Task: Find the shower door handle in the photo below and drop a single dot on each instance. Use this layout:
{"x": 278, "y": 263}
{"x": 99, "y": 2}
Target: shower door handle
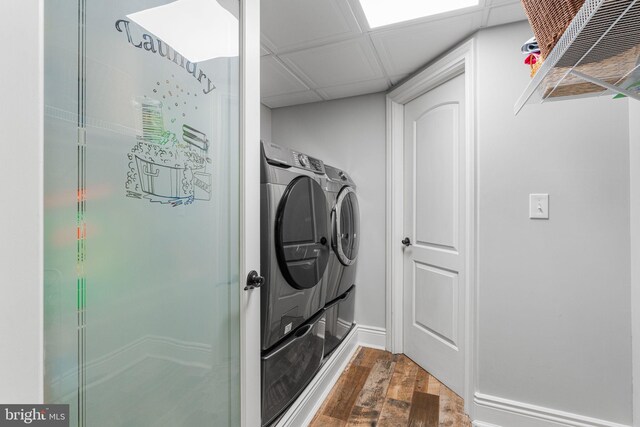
{"x": 254, "y": 280}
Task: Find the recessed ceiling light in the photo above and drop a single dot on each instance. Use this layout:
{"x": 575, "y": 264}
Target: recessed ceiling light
{"x": 385, "y": 12}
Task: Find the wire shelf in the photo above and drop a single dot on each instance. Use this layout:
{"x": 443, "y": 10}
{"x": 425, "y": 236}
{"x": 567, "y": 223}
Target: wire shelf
{"x": 597, "y": 55}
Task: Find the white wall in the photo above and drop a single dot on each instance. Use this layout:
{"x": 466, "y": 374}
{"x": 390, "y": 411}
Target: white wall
{"x": 349, "y": 134}
{"x": 21, "y": 217}
{"x": 265, "y": 123}
{"x": 634, "y": 138}
{"x": 554, "y": 312}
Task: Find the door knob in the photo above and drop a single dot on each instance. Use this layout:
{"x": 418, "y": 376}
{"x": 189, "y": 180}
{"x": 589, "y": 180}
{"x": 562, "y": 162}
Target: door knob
{"x": 254, "y": 280}
{"x": 406, "y": 241}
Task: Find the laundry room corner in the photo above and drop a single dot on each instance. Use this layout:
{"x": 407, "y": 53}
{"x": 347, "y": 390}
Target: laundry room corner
{"x": 303, "y": 213}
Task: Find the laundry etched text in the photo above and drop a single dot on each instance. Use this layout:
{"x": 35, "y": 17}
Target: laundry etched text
{"x": 155, "y": 45}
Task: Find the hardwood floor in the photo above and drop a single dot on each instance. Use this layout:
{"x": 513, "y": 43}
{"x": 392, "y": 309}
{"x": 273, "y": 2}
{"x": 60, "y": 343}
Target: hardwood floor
{"x": 382, "y": 389}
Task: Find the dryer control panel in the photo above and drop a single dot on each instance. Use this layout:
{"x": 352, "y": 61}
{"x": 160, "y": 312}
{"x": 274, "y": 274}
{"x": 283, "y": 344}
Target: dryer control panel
{"x": 285, "y": 157}
{"x": 338, "y": 176}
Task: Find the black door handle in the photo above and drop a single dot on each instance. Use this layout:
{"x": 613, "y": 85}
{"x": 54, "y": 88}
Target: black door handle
{"x": 254, "y": 280}
{"x": 406, "y": 241}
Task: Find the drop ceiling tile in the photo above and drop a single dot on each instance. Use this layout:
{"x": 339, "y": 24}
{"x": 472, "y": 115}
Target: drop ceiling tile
{"x": 294, "y": 24}
{"x": 285, "y": 100}
{"x": 407, "y": 49}
{"x": 349, "y": 61}
{"x": 276, "y": 79}
{"x": 504, "y": 14}
{"x": 354, "y": 89}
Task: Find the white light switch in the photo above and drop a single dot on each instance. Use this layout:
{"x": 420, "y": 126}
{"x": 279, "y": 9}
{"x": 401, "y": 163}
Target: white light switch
{"x": 539, "y": 206}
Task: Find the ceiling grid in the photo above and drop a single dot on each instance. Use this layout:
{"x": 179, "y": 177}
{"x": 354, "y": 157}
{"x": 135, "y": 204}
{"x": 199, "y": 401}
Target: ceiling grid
{"x": 316, "y": 50}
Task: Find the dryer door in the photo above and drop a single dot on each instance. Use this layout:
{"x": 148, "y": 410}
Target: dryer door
{"x": 346, "y": 228}
{"x": 302, "y": 230}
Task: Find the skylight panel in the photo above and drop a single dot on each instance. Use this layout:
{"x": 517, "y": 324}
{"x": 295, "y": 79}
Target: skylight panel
{"x": 386, "y": 12}
{"x": 198, "y": 29}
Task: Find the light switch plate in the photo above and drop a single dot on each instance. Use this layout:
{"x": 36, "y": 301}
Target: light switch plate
{"x": 539, "y": 206}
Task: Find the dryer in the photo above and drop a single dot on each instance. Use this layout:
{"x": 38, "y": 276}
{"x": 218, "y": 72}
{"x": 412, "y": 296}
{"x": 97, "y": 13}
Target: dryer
{"x": 340, "y": 279}
{"x": 295, "y": 249}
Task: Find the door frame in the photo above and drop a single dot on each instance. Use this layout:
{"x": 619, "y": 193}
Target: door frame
{"x": 458, "y": 61}
{"x": 250, "y": 404}
{"x": 21, "y": 225}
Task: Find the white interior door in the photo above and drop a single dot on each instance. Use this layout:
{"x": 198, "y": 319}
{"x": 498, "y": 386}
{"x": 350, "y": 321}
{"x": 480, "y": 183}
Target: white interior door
{"x": 434, "y": 221}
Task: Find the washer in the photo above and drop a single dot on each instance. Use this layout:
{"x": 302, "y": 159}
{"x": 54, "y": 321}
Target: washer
{"x": 295, "y": 240}
{"x": 341, "y": 277}
{"x": 295, "y": 250}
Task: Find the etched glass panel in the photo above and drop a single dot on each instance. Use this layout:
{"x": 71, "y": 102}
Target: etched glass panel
{"x": 141, "y": 211}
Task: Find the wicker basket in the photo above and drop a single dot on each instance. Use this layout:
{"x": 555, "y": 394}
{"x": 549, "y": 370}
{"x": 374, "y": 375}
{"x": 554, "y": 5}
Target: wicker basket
{"x": 549, "y": 20}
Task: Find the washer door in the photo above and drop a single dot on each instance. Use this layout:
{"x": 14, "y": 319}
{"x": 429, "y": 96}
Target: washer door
{"x": 302, "y": 228}
{"x": 346, "y": 227}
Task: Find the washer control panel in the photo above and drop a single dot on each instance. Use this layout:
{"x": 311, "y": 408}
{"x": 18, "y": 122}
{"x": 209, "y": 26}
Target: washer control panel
{"x": 285, "y": 157}
{"x": 306, "y": 162}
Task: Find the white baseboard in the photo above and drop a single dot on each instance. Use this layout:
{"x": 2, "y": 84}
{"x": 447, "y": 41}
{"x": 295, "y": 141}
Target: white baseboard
{"x": 372, "y": 336}
{"x": 497, "y": 411}
{"x": 303, "y": 410}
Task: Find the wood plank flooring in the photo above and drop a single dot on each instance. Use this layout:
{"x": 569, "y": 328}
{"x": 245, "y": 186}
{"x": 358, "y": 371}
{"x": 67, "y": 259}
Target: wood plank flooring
{"x": 385, "y": 390}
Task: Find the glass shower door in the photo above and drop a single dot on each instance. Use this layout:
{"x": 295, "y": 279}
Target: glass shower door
{"x": 142, "y": 211}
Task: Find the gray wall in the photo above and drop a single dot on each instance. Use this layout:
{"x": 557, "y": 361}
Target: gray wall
{"x": 265, "y": 123}
{"x": 634, "y": 138}
{"x": 554, "y": 325}
{"x": 21, "y": 304}
{"x": 350, "y": 134}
